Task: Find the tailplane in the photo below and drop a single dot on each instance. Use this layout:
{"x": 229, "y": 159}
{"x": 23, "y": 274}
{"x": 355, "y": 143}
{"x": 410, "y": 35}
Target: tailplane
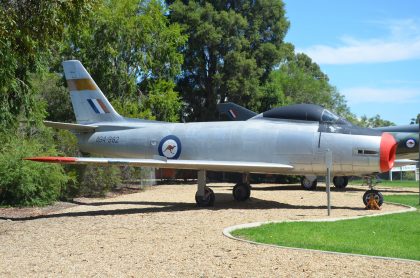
{"x": 89, "y": 103}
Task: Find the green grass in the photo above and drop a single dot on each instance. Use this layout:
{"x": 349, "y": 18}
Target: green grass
{"x": 414, "y": 184}
{"x": 395, "y": 235}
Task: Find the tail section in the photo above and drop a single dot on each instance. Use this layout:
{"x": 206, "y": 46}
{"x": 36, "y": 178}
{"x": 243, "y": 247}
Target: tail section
{"x": 89, "y": 103}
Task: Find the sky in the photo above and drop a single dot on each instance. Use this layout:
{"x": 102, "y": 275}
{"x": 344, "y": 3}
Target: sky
{"x": 370, "y": 50}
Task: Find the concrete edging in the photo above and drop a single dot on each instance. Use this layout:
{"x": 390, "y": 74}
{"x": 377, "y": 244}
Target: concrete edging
{"x": 227, "y": 232}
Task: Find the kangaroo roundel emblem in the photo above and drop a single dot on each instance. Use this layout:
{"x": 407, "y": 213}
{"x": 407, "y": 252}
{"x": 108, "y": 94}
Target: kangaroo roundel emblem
{"x": 170, "y": 147}
{"x": 410, "y": 143}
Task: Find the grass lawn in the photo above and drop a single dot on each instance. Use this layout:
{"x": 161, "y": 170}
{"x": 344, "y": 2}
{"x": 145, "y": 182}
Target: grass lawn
{"x": 395, "y": 235}
{"x": 394, "y": 183}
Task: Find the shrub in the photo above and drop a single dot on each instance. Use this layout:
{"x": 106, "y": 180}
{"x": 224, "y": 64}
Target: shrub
{"x": 97, "y": 181}
{"x": 26, "y": 183}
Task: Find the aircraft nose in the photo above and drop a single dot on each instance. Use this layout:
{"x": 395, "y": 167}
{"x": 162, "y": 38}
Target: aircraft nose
{"x": 387, "y": 152}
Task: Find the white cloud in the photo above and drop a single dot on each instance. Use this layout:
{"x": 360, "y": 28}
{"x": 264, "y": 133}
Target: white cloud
{"x": 402, "y": 43}
{"x": 378, "y": 95}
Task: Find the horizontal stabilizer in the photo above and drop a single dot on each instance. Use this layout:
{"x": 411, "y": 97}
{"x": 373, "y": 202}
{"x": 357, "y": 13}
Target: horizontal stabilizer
{"x": 73, "y": 127}
{"x": 226, "y": 166}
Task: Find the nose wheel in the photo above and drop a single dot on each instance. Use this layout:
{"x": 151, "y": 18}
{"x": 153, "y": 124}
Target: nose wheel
{"x": 372, "y": 195}
{"x": 375, "y": 195}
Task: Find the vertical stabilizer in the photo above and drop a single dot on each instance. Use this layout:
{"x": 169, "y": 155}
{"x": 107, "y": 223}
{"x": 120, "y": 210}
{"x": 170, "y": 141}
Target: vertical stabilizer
{"x": 89, "y": 103}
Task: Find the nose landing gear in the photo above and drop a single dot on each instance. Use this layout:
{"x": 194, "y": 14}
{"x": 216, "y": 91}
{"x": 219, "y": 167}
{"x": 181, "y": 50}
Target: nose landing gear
{"x": 372, "y": 198}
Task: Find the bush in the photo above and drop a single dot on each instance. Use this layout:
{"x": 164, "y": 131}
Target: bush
{"x": 97, "y": 181}
{"x": 26, "y": 183}
{"x": 87, "y": 181}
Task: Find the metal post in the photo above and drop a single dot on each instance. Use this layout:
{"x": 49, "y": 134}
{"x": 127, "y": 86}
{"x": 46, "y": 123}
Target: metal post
{"x": 328, "y": 162}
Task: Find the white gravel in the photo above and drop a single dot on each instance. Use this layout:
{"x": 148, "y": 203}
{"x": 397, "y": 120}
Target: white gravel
{"x": 161, "y": 233}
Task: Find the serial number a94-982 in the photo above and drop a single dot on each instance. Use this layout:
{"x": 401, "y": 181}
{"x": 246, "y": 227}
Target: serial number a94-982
{"x": 108, "y": 139}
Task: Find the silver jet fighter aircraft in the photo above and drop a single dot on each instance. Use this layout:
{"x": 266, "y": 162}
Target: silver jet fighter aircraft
{"x": 270, "y": 142}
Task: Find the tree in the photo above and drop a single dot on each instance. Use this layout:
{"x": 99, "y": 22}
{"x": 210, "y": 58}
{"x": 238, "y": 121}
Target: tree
{"x": 375, "y": 121}
{"x": 28, "y": 32}
{"x": 129, "y": 47}
{"x": 232, "y": 48}
{"x": 415, "y": 120}
{"x": 300, "y": 80}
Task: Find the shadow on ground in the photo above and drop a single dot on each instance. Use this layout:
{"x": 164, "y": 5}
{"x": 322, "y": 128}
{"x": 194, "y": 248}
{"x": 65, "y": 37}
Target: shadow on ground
{"x": 223, "y": 201}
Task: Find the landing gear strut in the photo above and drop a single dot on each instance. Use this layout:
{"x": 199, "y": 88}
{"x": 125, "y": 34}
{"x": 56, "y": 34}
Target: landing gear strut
{"x": 372, "y": 193}
{"x": 204, "y": 197}
{"x": 242, "y": 190}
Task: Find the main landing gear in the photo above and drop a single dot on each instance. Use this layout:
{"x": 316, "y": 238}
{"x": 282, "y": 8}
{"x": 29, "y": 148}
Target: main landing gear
{"x": 310, "y": 182}
{"x": 340, "y": 181}
{"x": 242, "y": 190}
{"x": 204, "y": 197}
{"x": 372, "y": 198}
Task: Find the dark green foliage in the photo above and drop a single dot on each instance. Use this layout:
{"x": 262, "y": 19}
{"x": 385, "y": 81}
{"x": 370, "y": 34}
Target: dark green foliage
{"x": 24, "y": 183}
{"x": 96, "y": 181}
{"x": 232, "y": 47}
{"x": 28, "y": 32}
{"x": 131, "y": 49}
{"x": 55, "y": 96}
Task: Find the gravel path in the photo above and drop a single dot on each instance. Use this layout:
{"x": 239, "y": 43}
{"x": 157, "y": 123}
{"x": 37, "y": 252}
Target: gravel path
{"x": 160, "y": 233}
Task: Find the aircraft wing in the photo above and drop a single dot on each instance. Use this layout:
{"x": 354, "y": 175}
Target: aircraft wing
{"x": 400, "y": 128}
{"x": 161, "y": 162}
{"x": 72, "y": 127}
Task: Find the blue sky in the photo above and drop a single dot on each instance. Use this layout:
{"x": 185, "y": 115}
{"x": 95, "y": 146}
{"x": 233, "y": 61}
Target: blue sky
{"x": 369, "y": 49}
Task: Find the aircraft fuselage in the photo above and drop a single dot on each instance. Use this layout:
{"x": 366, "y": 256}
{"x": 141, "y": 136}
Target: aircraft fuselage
{"x": 301, "y": 144}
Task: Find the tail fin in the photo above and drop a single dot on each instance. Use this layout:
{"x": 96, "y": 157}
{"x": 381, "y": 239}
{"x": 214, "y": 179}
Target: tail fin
{"x": 235, "y": 112}
{"x": 89, "y": 103}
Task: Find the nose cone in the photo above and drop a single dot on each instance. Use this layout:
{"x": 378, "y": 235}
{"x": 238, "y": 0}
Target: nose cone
{"x": 387, "y": 152}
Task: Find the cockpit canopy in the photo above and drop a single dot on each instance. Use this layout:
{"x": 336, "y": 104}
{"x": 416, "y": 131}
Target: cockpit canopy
{"x": 305, "y": 112}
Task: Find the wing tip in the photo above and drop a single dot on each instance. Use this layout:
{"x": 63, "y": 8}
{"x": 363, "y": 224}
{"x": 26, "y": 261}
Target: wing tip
{"x": 51, "y": 159}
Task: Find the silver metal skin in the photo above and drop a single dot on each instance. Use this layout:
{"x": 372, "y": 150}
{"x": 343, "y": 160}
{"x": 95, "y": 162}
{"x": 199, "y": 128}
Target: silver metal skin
{"x": 259, "y": 140}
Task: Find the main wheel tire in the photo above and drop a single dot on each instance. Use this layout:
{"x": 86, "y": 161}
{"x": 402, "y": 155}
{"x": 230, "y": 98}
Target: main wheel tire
{"x": 207, "y": 200}
{"x": 241, "y": 192}
{"x": 376, "y": 194}
{"x": 340, "y": 181}
{"x": 307, "y": 184}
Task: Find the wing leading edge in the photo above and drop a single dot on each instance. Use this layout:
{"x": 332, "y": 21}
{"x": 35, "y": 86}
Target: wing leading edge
{"x": 161, "y": 162}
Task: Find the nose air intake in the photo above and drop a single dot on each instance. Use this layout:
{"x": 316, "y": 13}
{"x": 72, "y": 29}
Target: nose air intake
{"x": 387, "y": 152}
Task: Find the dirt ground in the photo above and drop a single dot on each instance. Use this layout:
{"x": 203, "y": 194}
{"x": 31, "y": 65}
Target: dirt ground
{"x": 161, "y": 233}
